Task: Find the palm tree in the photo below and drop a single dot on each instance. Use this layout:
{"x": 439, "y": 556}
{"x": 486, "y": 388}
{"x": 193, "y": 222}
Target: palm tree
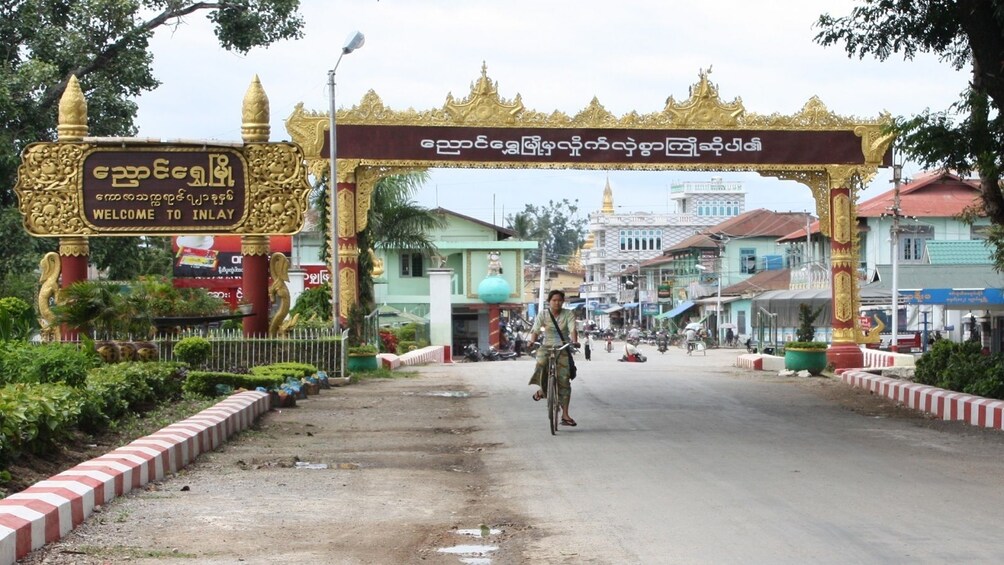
{"x": 395, "y": 222}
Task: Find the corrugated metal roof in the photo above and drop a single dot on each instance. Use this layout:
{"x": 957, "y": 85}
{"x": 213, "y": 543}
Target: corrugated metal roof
{"x": 962, "y": 252}
{"x": 938, "y": 276}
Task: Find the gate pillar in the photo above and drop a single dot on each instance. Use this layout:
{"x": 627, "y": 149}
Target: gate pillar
{"x": 844, "y": 352}
{"x": 74, "y": 253}
{"x": 254, "y": 283}
{"x": 345, "y": 252}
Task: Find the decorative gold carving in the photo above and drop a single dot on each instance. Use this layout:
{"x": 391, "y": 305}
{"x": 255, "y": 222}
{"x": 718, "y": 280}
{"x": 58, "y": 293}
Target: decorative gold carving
{"x": 50, "y": 196}
{"x": 72, "y": 113}
{"x": 347, "y": 290}
{"x": 377, "y": 270}
{"x": 254, "y": 245}
{"x": 845, "y": 335}
{"x": 872, "y": 335}
{"x": 483, "y": 105}
{"x": 842, "y": 219}
{"x": 74, "y": 247}
{"x": 819, "y": 184}
{"x": 366, "y": 181}
{"x": 48, "y": 295}
{"x": 346, "y": 169}
{"x": 278, "y": 293}
{"x": 255, "y": 114}
{"x": 705, "y": 108}
{"x": 875, "y": 140}
{"x": 278, "y": 189}
{"x": 346, "y": 213}
{"x": 843, "y": 290}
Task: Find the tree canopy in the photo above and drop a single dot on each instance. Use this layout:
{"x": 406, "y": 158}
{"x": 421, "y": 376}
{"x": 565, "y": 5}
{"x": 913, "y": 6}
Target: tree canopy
{"x": 967, "y": 137}
{"x": 105, "y": 44}
{"x": 557, "y": 226}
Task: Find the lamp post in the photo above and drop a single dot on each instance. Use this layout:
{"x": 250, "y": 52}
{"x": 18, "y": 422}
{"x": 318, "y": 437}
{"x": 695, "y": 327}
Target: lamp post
{"x": 896, "y": 212}
{"x": 355, "y": 41}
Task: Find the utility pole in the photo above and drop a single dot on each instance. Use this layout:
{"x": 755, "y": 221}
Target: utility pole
{"x": 896, "y": 212}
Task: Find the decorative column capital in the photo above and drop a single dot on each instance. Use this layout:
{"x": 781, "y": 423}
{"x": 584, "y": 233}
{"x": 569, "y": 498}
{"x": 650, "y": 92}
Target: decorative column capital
{"x": 254, "y": 245}
{"x": 74, "y": 247}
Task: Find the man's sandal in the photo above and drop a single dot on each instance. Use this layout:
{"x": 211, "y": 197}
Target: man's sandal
{"x": 568, "y": 422}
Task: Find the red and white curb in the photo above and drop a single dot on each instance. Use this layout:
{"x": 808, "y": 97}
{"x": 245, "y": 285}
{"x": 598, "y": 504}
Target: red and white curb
{"x": 945, "y": 404}
{"x": 48, "y": 510}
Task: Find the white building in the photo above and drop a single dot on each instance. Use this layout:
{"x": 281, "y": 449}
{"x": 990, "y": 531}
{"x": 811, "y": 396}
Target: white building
{"x": 618, "y": 243}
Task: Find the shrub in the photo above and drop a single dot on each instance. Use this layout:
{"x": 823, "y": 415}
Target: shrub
{"x": 45, "y": 363}
{"x": 388, "y": 341}
{"x": 17, "y": 319}
{"x": 111, "y": 391}
{"x": 193, "y": 350}
{"x": 36, "y": 416}
{"x": 962, "y": 367}
{"x": 204, "y": 383}
{"x": 314, "y": 304}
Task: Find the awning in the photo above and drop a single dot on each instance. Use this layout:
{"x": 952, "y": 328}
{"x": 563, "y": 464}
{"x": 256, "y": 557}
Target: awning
{"x": 614, "y": 308}
{"x": 714, "y": 300}
{"x": 683, "y": 307}
{"x": 573, "y": 305}
{"x": 630, "y": 305}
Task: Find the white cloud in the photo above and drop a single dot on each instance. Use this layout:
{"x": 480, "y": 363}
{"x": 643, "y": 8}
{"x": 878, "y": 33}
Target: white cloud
{"x": 558, "y": 55}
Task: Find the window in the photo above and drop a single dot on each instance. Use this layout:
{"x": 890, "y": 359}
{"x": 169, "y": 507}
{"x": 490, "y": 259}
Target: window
{"x": 412, "y": 265}
{"x": 747, "y": 260}
{"x": 741, "y": 322}
{"x": 640, "y": 240}
{"x": 913, "y": 241}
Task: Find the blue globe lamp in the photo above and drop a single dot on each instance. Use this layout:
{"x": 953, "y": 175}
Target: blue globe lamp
{"x": 494, "y": 289}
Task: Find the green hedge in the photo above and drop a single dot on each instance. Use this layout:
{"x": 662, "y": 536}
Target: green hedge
{"x": 33, "y": 417}
{"x": 22, "y": 362}
{"x": 962, "y": 367}
{"x": 111, "y": 391}
{"x": 205, "y": 383}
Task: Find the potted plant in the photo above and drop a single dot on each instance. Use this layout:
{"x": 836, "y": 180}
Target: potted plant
{"x": 362, "y": 357}
{"x": 804, "y": 353}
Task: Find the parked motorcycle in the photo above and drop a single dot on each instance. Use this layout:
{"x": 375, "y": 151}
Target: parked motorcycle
{"x": 471, "y": 353}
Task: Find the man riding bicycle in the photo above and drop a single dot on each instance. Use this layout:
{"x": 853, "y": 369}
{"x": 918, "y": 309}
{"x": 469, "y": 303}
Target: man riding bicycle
{"x": 551, "y": 325}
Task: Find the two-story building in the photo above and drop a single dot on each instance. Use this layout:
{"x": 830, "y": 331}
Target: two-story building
{"x": 486, "y": 277}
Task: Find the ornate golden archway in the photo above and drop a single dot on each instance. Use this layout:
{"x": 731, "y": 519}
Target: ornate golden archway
{"x": 832, "y": 155}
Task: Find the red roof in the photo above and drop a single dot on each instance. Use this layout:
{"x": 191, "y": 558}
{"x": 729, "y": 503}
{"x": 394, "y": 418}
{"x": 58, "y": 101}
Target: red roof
{"x": 754, "y": 223}
{"x": 930, "y": 194}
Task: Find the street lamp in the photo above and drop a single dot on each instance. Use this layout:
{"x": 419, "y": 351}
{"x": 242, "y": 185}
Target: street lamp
{"x": 355, "y": 41}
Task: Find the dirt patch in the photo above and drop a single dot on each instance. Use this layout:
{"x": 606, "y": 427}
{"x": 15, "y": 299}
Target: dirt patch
{"x": 384, "y": 471}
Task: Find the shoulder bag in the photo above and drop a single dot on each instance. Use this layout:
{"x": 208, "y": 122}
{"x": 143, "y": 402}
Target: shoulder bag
{"x": 572, "y": 369}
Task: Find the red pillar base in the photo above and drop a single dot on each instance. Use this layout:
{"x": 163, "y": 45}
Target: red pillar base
{"x": 845, "y": 356}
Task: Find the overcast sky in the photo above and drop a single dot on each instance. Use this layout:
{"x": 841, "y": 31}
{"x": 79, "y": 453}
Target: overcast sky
{"x": 632, "y": 55}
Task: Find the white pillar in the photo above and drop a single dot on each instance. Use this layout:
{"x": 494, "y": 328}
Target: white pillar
{"x": 440, "y": 307}
{"x": 296, "y": 280}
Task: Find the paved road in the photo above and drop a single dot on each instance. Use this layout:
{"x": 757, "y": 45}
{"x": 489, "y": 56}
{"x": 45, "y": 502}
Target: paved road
{"x": 688, "y": 460}
{"x": 681, "y": 460}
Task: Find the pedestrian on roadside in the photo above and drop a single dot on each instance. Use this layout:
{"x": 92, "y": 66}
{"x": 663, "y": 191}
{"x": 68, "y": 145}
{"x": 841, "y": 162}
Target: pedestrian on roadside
{"x": 588, "y": 347}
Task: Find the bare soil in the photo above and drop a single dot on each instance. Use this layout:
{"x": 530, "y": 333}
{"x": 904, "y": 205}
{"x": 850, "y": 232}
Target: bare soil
{"x": 401, "y": 476}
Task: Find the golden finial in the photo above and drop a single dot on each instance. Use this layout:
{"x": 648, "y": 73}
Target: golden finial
{"x": 608, "y": 199}
{"x": 72, "y": 112}
{"x": 255, "y": 114}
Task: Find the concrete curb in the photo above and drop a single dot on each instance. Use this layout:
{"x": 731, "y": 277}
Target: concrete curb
{"x": 947, "y": 405}
{"x": 48, "y": 510}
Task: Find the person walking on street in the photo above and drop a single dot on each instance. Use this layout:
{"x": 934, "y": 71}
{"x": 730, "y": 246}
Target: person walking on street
{"x": 587, "y": 347}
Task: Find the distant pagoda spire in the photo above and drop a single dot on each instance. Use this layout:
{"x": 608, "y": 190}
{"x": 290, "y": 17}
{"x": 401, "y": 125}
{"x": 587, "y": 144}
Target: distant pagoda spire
{"x": 608, "y": 199}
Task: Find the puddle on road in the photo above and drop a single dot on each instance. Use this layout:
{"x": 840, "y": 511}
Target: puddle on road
{"x": 442, "y": 393}
{"x": 473, "y": 554}
{"x": 476, "y": 532}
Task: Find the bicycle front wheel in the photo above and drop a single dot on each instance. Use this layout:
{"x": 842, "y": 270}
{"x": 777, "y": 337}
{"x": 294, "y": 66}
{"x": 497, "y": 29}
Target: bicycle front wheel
{"x": 552, "y": 398}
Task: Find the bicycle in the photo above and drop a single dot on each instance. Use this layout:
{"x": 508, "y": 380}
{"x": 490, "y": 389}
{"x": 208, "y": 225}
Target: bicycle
{"x": 553, "y": 407}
